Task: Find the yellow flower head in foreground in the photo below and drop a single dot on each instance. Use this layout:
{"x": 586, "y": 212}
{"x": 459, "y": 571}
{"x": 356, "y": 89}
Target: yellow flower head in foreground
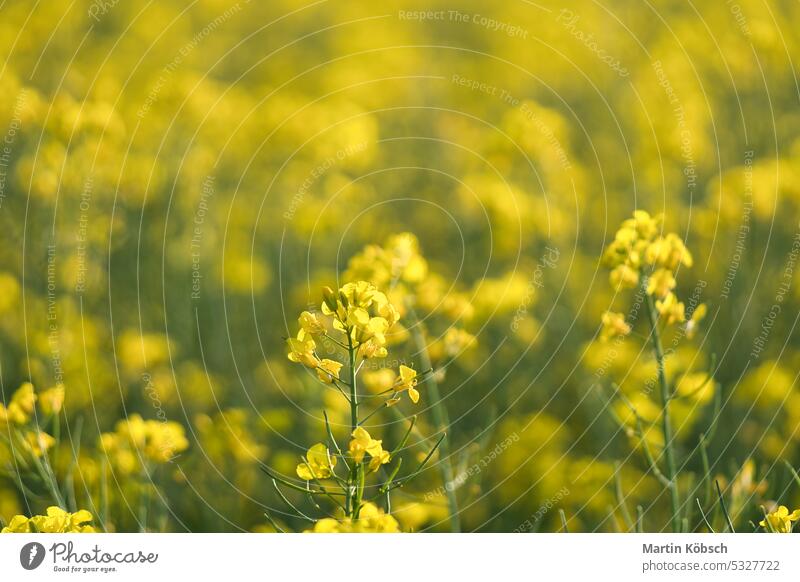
{"x": 38, "y": 443}
{"x": 310, "y": 325}
{"x": 319, "y": 464}
{"x": 669, "y": 252}
{"x": 362, "y": 443}
{"x": 408, "y": 381}
{"x": 56, "y": 521}
{"x": 614, "y": 325}
{"x": 358, "y": 310}
{"x": 328, "y": 370}
{"x": 660, "y": 282}
{"x": 302, "y": 351}
{"x": 371, "y": 519}
{"x": 624, "y": 277}
{"x": 671, "y": 309}
{"x": 20, "y": 408}
{"x": 51, "y": 401}
{"x": 630, "y": 246}
{"x": 780, "y": 519}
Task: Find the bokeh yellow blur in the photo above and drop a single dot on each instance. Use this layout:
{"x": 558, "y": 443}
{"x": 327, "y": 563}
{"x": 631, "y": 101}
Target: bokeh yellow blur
{"x": 178, "y": 181}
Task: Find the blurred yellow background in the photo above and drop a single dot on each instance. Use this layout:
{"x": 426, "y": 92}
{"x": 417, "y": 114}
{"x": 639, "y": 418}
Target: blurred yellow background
{"x": 178, "y": 181}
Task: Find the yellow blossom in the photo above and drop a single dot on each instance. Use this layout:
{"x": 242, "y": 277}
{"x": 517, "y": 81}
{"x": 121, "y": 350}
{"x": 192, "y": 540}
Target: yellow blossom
{"x": 319, "y": 463}
{"x": 51, "y": 401}
{"x": 660, "y": 282}
{"x": 21, "y": 406}
{"x": 327, "y": 370}
{"x": 669, "y": 252}
{"x": 408, "y": 381}
{"x": 38, "y": 442}
{"x": 302, "y": 351}
{"x": 371, "y": 519}
{"x": 372, "y": 349}
{"x": 671, "y": 309}
{"x": 613, "y": 325}
{"x": 624, "y": 277}
{"x": 310, "y": 325}
{"x": 362, "y": 443}
{"x": 157, "y": 441}
{"x": 56, "y": 521}
{"x": 780, "y": 520}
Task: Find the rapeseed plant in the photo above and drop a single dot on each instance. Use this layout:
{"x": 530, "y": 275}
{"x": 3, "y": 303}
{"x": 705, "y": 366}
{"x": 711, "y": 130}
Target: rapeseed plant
{"x": 780, "y": 520}
{"x": 55, "y": 521}
{"x": 358, "y": 320}
{"x": 644, "y": 259}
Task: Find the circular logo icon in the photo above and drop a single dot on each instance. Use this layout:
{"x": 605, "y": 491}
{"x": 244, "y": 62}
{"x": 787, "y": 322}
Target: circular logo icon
{"x": 31, "y": 555}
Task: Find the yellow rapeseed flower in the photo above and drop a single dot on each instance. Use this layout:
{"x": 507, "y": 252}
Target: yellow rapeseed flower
{"x": 310, "y": 325}
{"x": 327, "y": 370}
{"x": 302, "y": 351}
{"x": 319, "y": 463}
{"x": 624, "y": 277}
{"x": 613, "y": 325}
{"x": 408, "y": 381}
{"x": 669, "y": 252}
{"x": 660, "y": 282}
{"x": 671, "y": 309}
{"x": 371, "y": 519}
{"x": 56, "y": 521}
{"x": 38, "y": 442}
{"x": 155, "y": 440}
{"x": 781, "y": 520}
{"x": 21, "y": 407}
{"x": 362, "y": 443}
{"x": 51, "y": 401}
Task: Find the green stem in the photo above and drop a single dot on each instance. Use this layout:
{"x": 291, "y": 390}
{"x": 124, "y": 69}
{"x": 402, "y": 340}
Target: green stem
{"x": 440, "y": 419}
{"x": 353, "y": 394}
{"x": 356, "y": 476}
{"x": 669, "y": 453}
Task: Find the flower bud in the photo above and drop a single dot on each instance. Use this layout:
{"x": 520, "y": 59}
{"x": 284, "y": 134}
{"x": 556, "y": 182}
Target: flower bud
{"x": 343, "y": 300}
{"x": 329, "y": 298}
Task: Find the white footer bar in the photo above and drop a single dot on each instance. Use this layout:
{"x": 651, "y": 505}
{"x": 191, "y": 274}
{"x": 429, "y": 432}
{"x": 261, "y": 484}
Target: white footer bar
{"x": 406, "y": 557}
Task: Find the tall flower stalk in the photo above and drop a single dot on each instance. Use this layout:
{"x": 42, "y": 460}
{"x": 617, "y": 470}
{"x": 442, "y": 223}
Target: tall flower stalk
{"x": 355, "y": 321}
{"x": 399, "y": 267}
{"x": 643, "y": 258}
{"x": 666, "y": 426}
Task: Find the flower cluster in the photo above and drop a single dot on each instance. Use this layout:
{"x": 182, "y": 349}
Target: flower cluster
{"x": 361, "y": 317}
{"x": 371, "y": 519}
{"x": 56, "y": 521}
{"x": 357, "y": 320}
{"x": 399, "y": 267}
{"x": 641, "y": 255}
{"x": 361, "y": 312}
{"x": 20, "y": 416}
{"x": 780, "y": 520}
{"x": 20, "y": 409}
{"x": 136, "y": 441}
